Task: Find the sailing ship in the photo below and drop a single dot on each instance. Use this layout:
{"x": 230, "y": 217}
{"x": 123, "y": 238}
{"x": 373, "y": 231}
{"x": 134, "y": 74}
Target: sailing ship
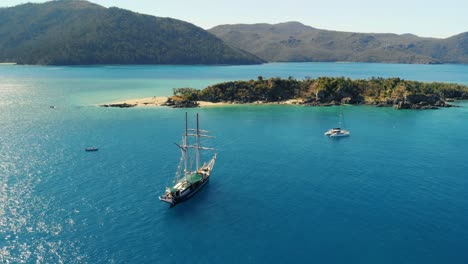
{"x": 188, "y": 181}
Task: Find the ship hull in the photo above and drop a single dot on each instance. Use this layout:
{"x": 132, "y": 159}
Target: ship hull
{"x": 189, "y": 193}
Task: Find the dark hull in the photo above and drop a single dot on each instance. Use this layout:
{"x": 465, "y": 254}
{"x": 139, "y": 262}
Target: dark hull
{"x": 91, "y": 149}
{"x": 190, "y": 193}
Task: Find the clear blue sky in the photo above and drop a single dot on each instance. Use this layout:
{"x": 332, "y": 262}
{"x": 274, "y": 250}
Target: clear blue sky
{"x": 430, "y": 18}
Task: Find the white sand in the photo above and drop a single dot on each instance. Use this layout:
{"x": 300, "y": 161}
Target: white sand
{"x": 145, "y": 102}
{"x": 160, "y": 100}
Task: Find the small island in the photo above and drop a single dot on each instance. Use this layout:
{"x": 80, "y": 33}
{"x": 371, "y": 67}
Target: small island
{"x": 322, "y": 91}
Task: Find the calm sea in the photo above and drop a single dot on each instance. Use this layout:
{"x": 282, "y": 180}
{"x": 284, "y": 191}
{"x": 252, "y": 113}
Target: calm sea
{"x": 396, "y": 191}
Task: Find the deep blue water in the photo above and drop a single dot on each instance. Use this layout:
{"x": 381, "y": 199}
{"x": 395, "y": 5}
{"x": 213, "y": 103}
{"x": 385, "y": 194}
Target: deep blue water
{"x": 396, "y": 191}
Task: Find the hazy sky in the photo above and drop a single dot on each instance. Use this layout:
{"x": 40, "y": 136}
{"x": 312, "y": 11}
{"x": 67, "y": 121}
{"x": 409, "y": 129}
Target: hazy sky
{"x": 430, "y": 18}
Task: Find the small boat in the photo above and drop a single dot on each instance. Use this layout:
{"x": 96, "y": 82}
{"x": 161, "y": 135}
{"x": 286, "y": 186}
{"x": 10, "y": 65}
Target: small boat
{"x": 188, "y": 181}
{"x": 91, "y": 149}
{"x": 52, "y": 107}
{"x": 337, "y": 132}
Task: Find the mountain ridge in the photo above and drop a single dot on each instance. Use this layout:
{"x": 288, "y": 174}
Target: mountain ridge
{"x": 296, "y": 42}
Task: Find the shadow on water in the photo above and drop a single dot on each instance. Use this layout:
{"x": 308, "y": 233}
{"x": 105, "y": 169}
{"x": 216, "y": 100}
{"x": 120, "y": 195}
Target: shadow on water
{"x": 339, "y": 139}
{"x": 202, "y": 199}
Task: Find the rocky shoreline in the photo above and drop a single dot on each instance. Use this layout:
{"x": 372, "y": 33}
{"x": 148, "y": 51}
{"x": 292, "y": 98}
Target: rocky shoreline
{"x": 161, "y": 101}
{"x": 119, "y": 105}
{"x": 171, "y": 102}
{"x": 415, "y": 103}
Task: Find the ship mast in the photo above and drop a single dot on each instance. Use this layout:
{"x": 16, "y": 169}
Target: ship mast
{"x": 185, "y": 159}
{"x": 198, "y": 145}
{"x": 185, "y": 146}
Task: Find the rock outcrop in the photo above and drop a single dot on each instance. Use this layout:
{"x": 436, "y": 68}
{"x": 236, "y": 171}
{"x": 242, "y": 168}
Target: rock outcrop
{"x": 176, "y": 103}
{"x": 119, "y": 105}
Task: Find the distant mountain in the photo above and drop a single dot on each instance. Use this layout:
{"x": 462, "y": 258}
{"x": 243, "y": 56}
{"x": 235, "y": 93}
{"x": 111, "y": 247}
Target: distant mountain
{"x": 293, "y": 41}
{"x": 71, "y": 32}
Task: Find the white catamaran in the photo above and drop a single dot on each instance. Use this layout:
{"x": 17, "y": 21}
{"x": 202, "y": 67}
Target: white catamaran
{"x": 188, "y": 181}
{"x": 338, "y": 131}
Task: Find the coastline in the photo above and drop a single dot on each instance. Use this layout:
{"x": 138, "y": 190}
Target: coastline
{"x": 155, "y": 101}
{"x": 160, "y": 101}
{"x": 140, "y": 102}
{"x": 324, "y": 91}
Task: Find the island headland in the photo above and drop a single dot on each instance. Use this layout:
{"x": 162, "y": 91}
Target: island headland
{"x": 322, "y": 91}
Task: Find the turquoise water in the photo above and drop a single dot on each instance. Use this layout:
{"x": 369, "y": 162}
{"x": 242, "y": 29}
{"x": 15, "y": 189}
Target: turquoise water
{"x": 396, "y": 191}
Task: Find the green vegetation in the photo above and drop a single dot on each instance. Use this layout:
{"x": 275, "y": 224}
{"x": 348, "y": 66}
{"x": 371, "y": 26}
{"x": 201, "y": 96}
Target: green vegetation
{"x": 183, "y": 98}
{"x": 330, "y": 90}
{"x": 69, "y": 32}
{"x": 296, "y": 42}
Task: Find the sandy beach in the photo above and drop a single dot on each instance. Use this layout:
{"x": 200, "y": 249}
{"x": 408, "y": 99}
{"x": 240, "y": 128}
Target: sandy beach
{"x": 145, "y": 102}
{"x": 158, "y": 101}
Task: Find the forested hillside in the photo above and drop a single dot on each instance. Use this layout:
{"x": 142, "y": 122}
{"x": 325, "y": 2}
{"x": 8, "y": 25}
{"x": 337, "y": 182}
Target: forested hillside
{"x": 295, "y": 42}
{"x": 69, "y": 32}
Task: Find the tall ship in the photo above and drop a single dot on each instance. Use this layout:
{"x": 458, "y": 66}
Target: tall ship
{"x": 189, "y": 179}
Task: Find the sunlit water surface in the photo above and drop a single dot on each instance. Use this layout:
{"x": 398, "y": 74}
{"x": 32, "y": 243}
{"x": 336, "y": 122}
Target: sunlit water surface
{"x": 396, "y": 191}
